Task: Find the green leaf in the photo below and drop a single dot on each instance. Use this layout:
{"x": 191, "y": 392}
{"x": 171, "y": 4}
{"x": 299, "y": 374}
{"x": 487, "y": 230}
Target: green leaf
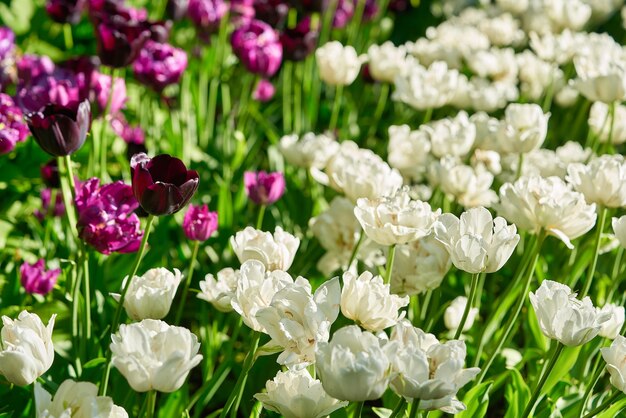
{"x": 477, "y": 401}
{"x": 517, "y": 394}
{"x": 614, "y": 410}
{"x": 564, "y": 364}
{"x": 94, "y": 362}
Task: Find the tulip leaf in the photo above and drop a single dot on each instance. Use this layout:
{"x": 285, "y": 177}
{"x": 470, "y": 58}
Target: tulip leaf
{"x": 564, "y": 364}
{"x": 94, "y": 362}
{"x": 614, "y": 410}
{"x": 477, "y": 401}
{"x": 517, "y": 394}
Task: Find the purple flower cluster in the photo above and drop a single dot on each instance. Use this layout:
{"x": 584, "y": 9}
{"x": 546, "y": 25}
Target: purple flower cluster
{"x": 264, "y": 188}
{"x": 160, "y": 65}
{"x": 258, "y": 47}
{"x": 36, "y": 279}
{"x": 105, "y": 216}
{"x": 199, "y": 224}
{"x": 13, "y": 129}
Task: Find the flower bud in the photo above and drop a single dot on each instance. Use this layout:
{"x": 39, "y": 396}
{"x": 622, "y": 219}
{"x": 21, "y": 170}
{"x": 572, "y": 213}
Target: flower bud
{"x": 264, "y": 91}
{"x": 264, "y": 188}
{"x": 207, "y": 14}
{"x": 199, "y": 224}
{"x": 36, "y": 279}
{"x": 337, "y": 64}
{"x": 65, "y": 11}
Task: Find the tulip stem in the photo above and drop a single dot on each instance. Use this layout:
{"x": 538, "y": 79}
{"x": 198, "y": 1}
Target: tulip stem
{"x": 533, "y": 399}
{"x": 520, "y": 165}
{"x": 355, "y": 250}
{"x": 151, "y": 400}
{"x": 414, "y": 408}
{"x": 120, "y": 305}
{"x": 596, "y": 373}
{"x": 596, "y": 249}
{"x": 358, "y": 409}
{"x": 103, "y": 127}
{"x": 468, "y": 305}
{"x": 399, "y": 409}
{"x": 287, "y": 83}
{"x": 389, "y": 267}
{"x": 380, "y": 108}
{"x": 604, "y": 405}
{"x": 67, "y": 36}
{"x": 183, "y": 298}
{"x": 235, "y": 395}
{"x": 260, "y": 216}
{"x": 520, "y": 304}
{"x": 334, "y": 117}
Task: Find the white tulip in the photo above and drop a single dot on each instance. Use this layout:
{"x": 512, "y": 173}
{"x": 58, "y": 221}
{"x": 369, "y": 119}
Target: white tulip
{"x": 502, "y": 30}
{"x": 309, "y": 151}
{"x": 26, "y": 351}
{"x": 613, "y": 327}
{"x": 153, "y": 355}
{"x": 536, "y": 203}
{"x": 337, "y": 64}
{"x": 602, "y": 180}
{"x": 150, "y": 296}
{"x": 469, "y": 186}
{"x": 220, "y": 292}
{"x": 600, "y": 80}
{"x": 295, "y": 394}
{"x": 486, "y": 159}
{"x": 298, "y": 320}
{"x": 367, "y": 301}
{"x": 386, "y": 61}
{"x": 256, "y": 288}
{"x": 426, "y": 88}
{"x": 516, "y": 7}
{"x": 614, "y": 357}
{"x": 429, "y": 370}
{"x": 524, "y": 127}
{"x": 573, "y": 152}
{"x": 76, "y": 400}
{"x": 568, "y": 14}
{"x": 451, "y": 136}
{"x": 276, "y": 251}
{"x": 355, "y": 365}
{"x": 453, "y": 314}
{"x": 419, "y": 266}
{"x": 537, "y": 76}
{"x": 497, "y": 64}
{"x": 477, "y": 242}
{"x": 564, "y": 318}
{"x": 600, "y": 123}
{"x": 408, "y": 151}
{"x": 619, "y": 228}
{"x": 396, "y": 219}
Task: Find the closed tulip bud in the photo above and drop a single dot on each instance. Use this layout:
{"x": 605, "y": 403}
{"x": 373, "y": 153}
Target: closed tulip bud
{"x": 295, "y": 394}
{"x": 150, "y": 296}
{"x": 257, "y": 45}
{"x": 65, "y": 11}
{"x": 264, "y": 188}
{"x": 162, "y": 185}
{"x": 614, "y": 357}
{"x": 453, "y": 314}
{"x": 612, "y": 328}
{"x": 26, "y": 351}
{"x": 76, "y": 399}
{"x": 199, "y": 224}
{"x": 60, "y": 130}
{"x": 355, "y": 365}
{"x": 564, "y": 318}
{"x": 276, "y": 251}
{"x": 264, "y": 91}
{"x": 36, "y": 279}
{"x": 153, "y": 355}
{"x": 337, "y": 64}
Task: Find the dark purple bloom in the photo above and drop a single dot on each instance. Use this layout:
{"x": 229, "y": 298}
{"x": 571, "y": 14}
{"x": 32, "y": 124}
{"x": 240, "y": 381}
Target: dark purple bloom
{"x": 14, "y": 129}
{"x": 264, "y": 91}
{"x": 160, "y": 65}
{"x": 199, "y": 224}
{"x": 264, "y": 188}
{"x": 300, "y": 41}
{"x": 120, "y": 38}
{"x": 370, "y": 11}
{"x": 60, "y": 130}
{"x": 105, "y": 216}
{"x": 273, "y": 12}
{"x": 162, "y": 184}
{"x": 242, "y": 11}
{"x": 50, "y": 174}
{"x": 83, "y": 70}
{"x": 31, "y": 67}
{"x": 65, "y": 11}
{"x": 177, "y": 9}
{"x": 7, "y": 42}
{"x": 36, "y": 279}
{"x": 60, "y": 88}
{"x": 206, "y": 15}
{"x": 47, "y": 208}
{"x": 258, "y": 47}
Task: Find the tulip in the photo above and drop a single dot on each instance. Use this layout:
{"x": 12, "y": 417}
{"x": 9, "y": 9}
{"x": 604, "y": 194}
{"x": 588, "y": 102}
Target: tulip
{"x": 386, "y": 61}
{"x": 153, "y": 355}
{"x": 355, "y": 365}
{"x": 14, "y": 129}
{"x": 162, "y": 185}
{"x": 337, "y": 64}
{"x": 101, "y": 89}
{"x": 619, "y": 228}
{"x": 308, "y": 151}
{"x": 7, "y": 42}
{"x": 242, "y": 11}
{"x": 276, "y": 251}
{"x": 614, "y": 357}
{"x": 300, "y": 41}
{"x": 612, "y": 328}
{"x": 50, "y": 174}
{"x": 60, "y": 130}
{"x": 451, "y": 136}
{"x": 427, "y": 88}
{"x": 65, "y": 11}
{"x": 150, "y": 296}
{"x": 26, "y": 351}
{"x": 454, "y": 313}
{"x": 36, "y": 279}
{"x": 207, "y": 14}
{"x": 221, "y": 291}
{"x": 159, "y": 65}
{"x": 264, "y": 188}
{"x": 119, "y": 40}
{"x": 177, "y": 9}
{"x": 273, "y": 12}
{"x": 295, "y": 394}
{"x": 199, "y": 224}
{"x": 257, "y": 45}
{"x": 76, "y": 399}
{"x": 602, "y": 180}
{"x": 524, "y": 128}
{"x": 264, "y": 91}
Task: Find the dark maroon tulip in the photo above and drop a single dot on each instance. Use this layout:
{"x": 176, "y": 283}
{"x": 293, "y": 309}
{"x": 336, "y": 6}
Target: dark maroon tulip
{"x": 273, "y": 12}
{"x": 177, "y": 9}
{"x": 50, "y": 174}
{"x": 60, "y": 130}
{"x": 120, "y": 40}
{"x": 65, "y": 11}
{"x": 300, "y": 41}
{"x": 162, "y": 185}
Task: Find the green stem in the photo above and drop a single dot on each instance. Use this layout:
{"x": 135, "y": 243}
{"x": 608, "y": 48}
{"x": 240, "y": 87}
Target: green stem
{"x": 297, "y": 98}
{"x": 520, "y": 164}
{"x": 355, "y": 250}
{"x": 260, "y": 216}
{"x": 596, "y": 249}
{"x": 67, "y": 35}
{"x": 533, "y": 399}
{"x": 427, "y": 116}
{"x": 358, "y": 409}
{"x": 596, "y": 373}
{"x": 389, "y": 267}
{"x": 152, "y": 395}
{"x": 398, "y": 411}
{"x": 235, "y": 395}
{"x": 609, "y": 140}
{"x": 380, "y": 108}
{"x": 604, "y": 405}
{"x": 120, "y": 305}
{"x": 614, "y": 273}
{"x": 183, "y": 297}
{"x": 103, "y": 127}
{"x": 518, "y": 308}
{"x": 468, "y": 305}
{"x": 287, "y": 74}
{"x": 334, "y": 117}
{"x": 414, "y": 408}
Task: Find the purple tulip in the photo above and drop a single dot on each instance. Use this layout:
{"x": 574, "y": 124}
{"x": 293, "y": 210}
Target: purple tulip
{"x": 36, "y": 279}
{"x": 83, "y": 69}
{"x": 343, "y": 13}
{"x": 370, "y": 11}
{"x": 65, "y": 11}
{"x": 264, "y": 91}
{"x": 7, "y": 42}
{"x": 105, "y": 216}
{"x": 60, "y": 130}
{"x": 258, "y": 47}
{"x": 273, "y": 12}
{"x": 132, "y": 135}
{"x": 31, "y": 67}
{"x": 177, "y": 9}
{"x": 162, "y": 184}
{"x": 299, "y": 42}
{"x": 120, "y": 39}
{"x": 50, "y": 174}
{"x": 61, "y": 88}
{"x": 160, "y": 65}
{"x": 206, "y": 15}
{"x": 264, "y": 188}
{"x": 199, "y": 224}
{"x": 101, "y": 88}
{"x": 58, "y": 208}
{"x": 242, "y": 11}
{"x": 14, "y": 129}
